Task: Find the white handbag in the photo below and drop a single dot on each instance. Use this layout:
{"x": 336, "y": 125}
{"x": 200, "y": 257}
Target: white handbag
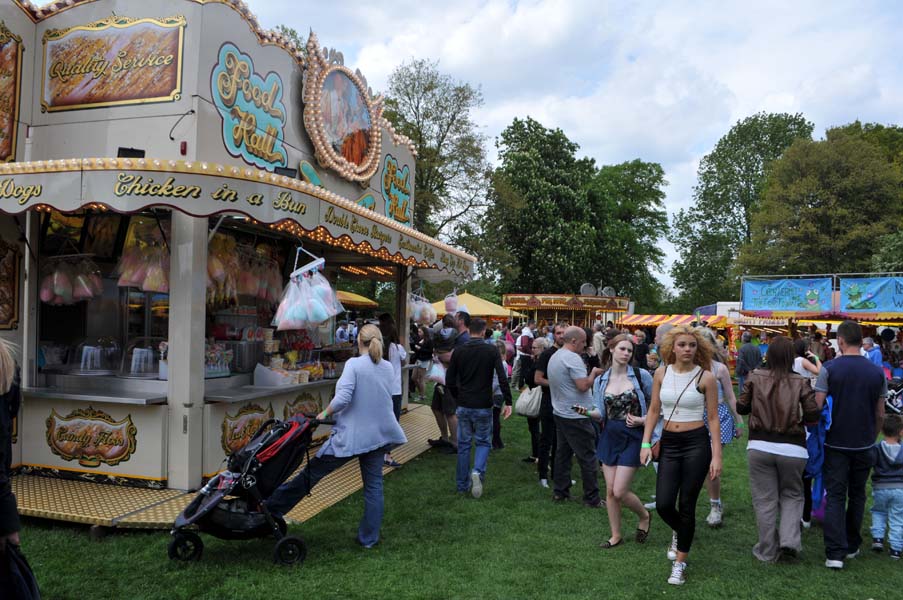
{"x": 528, "y": 402}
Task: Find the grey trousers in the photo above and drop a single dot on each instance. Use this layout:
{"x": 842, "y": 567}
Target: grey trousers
{"x": 776, "y": 484}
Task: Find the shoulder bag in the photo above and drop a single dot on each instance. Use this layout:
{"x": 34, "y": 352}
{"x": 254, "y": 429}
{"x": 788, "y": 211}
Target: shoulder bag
{"x": 529, "y": 401}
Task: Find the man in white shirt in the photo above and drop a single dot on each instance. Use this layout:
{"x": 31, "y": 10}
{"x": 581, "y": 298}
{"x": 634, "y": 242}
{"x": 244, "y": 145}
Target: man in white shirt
{"x": 341, "y": 334}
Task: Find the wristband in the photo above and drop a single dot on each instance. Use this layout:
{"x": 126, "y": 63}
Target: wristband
{"x": 739, "y": 425}
{"x": 645, "y": 445}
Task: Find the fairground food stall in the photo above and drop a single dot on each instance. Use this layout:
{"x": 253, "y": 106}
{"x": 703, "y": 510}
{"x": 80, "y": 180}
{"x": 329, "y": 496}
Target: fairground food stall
{"x": 162, "y": 163}
{"x": 582, "y": 311}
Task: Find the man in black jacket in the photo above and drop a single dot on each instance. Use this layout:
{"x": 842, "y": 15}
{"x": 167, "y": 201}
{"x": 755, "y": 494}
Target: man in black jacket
{"x": 749, "y": 358}
{"x": 469, "y": 379}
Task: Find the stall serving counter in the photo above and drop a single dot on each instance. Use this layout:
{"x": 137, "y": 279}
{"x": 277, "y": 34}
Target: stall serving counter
{"x": 134, "y": 215}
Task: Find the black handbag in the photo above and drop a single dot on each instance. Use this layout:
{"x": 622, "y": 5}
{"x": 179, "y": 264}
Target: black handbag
{"x": 16, "y": 577}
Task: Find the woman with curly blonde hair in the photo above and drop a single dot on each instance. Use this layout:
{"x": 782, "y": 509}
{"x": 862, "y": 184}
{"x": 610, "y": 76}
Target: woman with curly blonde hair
{"x": 683, "y": 390}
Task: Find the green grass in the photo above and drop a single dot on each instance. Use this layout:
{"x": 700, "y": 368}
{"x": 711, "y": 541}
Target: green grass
{"x": 512, "y": 543}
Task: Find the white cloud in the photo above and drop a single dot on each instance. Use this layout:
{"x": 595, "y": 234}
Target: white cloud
{"x": 656, "y": 81}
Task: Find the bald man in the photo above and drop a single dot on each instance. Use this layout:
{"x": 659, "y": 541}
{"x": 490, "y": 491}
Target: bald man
{"x": 570, "y": 386}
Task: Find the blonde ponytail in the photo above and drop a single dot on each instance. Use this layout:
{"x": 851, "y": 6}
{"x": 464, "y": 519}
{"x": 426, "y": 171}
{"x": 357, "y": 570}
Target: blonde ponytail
{"x": 7, "y": 366}
{"x": 371, "y": 338}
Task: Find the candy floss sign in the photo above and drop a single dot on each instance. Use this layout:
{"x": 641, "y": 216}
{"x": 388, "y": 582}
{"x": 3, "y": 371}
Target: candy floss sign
{"x": 91, "y": 437}
{"x": 114, "y": 61}
{"x": 251, "y": 108}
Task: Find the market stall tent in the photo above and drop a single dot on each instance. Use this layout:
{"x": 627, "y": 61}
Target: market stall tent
{"x": 477, "y": 307}
{"x": 642, "y": 320}
{"x": 351, "y": 300}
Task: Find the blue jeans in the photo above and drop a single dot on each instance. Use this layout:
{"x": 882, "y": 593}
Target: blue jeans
{"x": 887, "y": 511}
{"x": 474, "y": 428}
{"x": 740, "y": 380}
{"x": 371, "y": 463}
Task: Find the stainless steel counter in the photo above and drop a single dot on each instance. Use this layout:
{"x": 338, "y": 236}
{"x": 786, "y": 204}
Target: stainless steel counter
{"x": 253, "y": 392}
{"x": 99, "y": 394}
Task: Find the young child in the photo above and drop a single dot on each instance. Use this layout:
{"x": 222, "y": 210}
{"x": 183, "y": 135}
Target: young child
{"x": 887, "y": 488}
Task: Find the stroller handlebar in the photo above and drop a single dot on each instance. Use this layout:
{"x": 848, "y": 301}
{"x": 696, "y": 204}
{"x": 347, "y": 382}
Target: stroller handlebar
{"x": 313, "y": 418}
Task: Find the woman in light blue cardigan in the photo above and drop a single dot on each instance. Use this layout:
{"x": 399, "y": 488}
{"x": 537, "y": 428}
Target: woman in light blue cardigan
{"x": 365, "y": 428}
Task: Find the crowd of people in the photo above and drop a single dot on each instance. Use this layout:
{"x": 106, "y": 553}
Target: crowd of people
{"x": 614, "y": 403}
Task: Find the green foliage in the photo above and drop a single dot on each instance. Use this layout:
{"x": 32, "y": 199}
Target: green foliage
{"x": 435, "y": 111}
{"x": 292, "y": 34}
{"x": 888, "y": 253}
{"x": 827, "y": 205}
{"x": 730, "y": 186}
{"x": 556, "y": 221}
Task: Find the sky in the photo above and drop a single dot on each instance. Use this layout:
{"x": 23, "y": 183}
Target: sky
{"x": 658, "y": 81}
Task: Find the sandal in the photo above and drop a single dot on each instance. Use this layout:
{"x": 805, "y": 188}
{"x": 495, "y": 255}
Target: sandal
{"x": 608, "y": 545}
{"x": 641, "y": 535}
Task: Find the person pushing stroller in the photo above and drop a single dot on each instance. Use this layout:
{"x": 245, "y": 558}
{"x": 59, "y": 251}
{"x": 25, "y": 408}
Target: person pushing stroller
{"x": 365, "y": 428}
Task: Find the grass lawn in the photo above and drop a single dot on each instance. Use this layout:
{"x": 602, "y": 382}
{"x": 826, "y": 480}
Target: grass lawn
{"x": 512, "y": 543}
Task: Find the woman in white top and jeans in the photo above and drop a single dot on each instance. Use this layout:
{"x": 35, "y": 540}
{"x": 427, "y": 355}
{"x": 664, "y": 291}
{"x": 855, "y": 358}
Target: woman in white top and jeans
{"x": 395, "y": 354}
{"x": 682, "y": 390}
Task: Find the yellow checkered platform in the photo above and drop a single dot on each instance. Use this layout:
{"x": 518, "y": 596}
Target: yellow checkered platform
{"x": 117, "y": 506}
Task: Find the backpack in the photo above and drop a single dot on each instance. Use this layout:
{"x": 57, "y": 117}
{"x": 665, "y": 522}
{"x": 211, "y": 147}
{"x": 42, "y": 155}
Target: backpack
{"x": 525, "y": 344}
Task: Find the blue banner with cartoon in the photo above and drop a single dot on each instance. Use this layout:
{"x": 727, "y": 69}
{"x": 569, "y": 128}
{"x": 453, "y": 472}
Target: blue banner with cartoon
{"x": 871, "y": 294}
{"x": 800, "y": 295}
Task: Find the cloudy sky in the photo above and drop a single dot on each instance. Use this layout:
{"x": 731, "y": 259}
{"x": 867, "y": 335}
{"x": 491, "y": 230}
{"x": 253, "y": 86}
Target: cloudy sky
{"x": 656, "y": 81}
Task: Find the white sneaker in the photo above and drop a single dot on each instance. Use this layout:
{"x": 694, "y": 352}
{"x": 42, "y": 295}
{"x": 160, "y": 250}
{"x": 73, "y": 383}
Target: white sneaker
{"x": 834, "y": 564}
{"x": 672, "y": 549}
{"x": 476, "y": 485}
{"x": 649, "y": 505}
{"x": 805, "y": 524}
{"x": 678, "y": 573}
{"x": 715, "y": 515}
{"x": 544, "y": 483}
{"x": 852, "y": 555}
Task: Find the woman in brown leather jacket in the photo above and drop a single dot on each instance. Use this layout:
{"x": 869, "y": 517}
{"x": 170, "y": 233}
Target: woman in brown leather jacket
{"x": 779, "y": 403}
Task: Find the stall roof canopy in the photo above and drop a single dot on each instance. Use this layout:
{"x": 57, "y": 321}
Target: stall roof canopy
{"x": 565, "y": 302}
{"x": 355, "y": 300}
{"x": 201, "y": 189}
{"x": 477, "y": 307}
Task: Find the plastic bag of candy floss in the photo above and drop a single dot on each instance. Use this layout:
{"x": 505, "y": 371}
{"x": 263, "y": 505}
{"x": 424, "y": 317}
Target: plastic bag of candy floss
{"x": 285, "y": 317}
{"x": 324, "y": 292}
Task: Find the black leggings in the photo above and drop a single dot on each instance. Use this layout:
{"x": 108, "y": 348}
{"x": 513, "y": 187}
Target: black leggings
{"x": 682, "y": 468}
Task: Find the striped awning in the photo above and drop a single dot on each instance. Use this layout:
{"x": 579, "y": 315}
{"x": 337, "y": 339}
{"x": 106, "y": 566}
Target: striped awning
{"x": 681, "y": 319}
{"x": 643, "y": 320}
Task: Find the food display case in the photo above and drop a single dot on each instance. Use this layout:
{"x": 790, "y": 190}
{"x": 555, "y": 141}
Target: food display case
{"x": 95, "y": 356}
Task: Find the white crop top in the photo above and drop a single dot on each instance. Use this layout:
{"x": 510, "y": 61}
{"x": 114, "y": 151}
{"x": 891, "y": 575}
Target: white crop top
{"x": 692, "y": 403}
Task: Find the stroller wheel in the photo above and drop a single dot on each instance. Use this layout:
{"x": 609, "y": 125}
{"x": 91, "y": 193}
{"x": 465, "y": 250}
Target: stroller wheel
{"x": 185, "y": 546}
{"x": 290, "y": 550}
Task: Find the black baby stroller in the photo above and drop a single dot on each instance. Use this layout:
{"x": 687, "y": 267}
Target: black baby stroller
{"x": 231, "y": 507}
{"x": 893, "y": 402}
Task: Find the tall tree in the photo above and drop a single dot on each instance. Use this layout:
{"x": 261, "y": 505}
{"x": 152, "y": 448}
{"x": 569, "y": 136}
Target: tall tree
{"x": 555, "y": 221}
{"x": 540, "y": 216}
{"x": 730, "y": 182}
{"x": 629, "y": 219}
{"x": 827, "y": 203}
{"x": 436, "y": 112}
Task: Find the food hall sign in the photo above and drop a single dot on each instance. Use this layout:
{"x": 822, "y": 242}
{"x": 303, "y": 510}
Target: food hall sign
{"x": 251, "y": 108}
{"x": 111, "y": 62}
{"x": 10, "y": 83}
{"x": 396, "y": 189}
{"x": 91, "y": 437}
